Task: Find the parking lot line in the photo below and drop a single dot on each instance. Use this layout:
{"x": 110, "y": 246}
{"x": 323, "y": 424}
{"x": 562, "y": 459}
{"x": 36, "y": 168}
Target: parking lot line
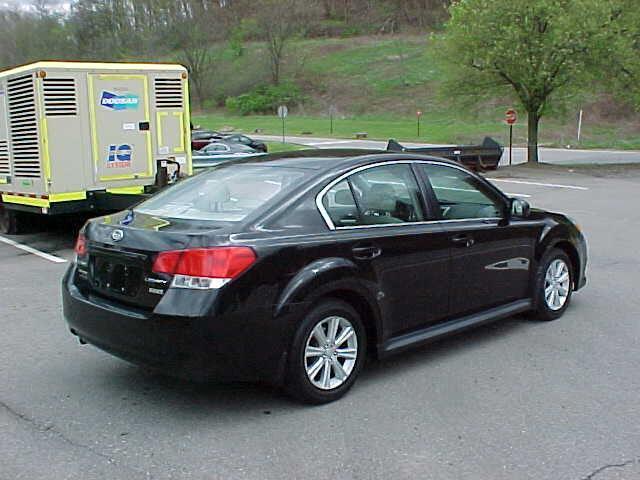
{"x": 552, "y": 185}
{"x": 28, "y": 249}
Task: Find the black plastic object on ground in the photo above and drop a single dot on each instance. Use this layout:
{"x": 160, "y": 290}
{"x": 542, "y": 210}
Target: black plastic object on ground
{"x": 485, "y": 156}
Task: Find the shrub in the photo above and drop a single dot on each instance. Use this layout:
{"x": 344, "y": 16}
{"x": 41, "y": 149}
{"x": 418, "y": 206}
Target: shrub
{"x": 265, "y": 99}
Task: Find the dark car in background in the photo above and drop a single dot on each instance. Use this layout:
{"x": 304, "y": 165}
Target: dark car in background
{"x": 292, "y": 268}
{"x": 244, "y": 140}
{"x": 201, "y": 138}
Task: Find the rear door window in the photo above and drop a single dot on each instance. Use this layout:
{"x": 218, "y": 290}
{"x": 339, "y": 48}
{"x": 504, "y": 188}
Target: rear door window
{"x": 341, "y": 206}
{"x": 387, "y": 194}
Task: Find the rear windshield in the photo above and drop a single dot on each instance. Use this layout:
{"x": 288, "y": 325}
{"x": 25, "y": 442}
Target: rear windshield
{"x": 228, "y": 193}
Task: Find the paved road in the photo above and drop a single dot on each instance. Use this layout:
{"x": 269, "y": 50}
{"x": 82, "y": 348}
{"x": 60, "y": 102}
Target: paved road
{"x": 514, "y": 400}
{"x": 548, "y": 155}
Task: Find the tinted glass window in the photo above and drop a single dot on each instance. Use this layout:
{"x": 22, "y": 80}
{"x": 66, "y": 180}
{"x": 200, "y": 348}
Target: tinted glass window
{"x": 227, "y": 193}
{"x": 387, "y": 194}
{"x": 340, "y": 205}
{"x": 304, "y": 215}
{"x": 461, "y": 195}
{"x": 379, "y": 195}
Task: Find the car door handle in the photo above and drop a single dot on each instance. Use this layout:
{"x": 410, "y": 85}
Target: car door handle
{"x": 463, "y": 240}
{"x": 366, "y": 253}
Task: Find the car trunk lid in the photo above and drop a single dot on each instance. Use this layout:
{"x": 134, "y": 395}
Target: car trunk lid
{"x": 121, "y": 253}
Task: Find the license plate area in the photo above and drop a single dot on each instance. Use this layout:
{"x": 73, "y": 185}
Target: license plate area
{"x": 114, "y": 275}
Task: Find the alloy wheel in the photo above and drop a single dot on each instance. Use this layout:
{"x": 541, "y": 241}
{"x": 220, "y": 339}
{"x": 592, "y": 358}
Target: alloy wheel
{"x": 557, "y": 284}
{"x": 331, "y": 352}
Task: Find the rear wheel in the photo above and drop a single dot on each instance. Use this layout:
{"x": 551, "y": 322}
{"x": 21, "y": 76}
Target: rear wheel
{"x": 8, "y": 221}
{"x": 554, "y": 285}
{"x": 328, "y": 351}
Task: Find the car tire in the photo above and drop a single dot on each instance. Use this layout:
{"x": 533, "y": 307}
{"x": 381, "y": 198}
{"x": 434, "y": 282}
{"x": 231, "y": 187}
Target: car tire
{"x": 8, "y": 221}
{"x": 306, "y": 381}
{"x": 553, "y": 286}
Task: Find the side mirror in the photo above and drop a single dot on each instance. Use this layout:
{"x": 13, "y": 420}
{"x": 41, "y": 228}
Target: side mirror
{"x": 520, "y": 208}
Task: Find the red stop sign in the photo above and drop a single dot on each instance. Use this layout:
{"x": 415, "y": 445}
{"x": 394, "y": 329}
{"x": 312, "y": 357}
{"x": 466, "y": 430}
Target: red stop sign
{"x": 511, "y": 116}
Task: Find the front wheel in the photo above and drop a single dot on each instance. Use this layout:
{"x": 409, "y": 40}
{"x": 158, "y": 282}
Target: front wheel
{"x": 327, "y": 354}
{"x": 554, "y": 285}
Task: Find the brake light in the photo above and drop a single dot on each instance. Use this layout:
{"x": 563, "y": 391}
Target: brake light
{"x": 81, "y": 245}
{"x": 204, "y": 268}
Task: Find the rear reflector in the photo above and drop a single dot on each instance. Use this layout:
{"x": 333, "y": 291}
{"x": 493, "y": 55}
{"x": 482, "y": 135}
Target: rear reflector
{"x": 198, "y": 283}
{"x": 204, "y": 268}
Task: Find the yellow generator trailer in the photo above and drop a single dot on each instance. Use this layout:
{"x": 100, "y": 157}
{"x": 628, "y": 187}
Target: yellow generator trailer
{"x": 89, "y": 136}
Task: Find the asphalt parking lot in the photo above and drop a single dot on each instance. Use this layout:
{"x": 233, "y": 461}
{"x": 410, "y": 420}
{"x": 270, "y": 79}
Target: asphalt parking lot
{"x": 513, "y": 400}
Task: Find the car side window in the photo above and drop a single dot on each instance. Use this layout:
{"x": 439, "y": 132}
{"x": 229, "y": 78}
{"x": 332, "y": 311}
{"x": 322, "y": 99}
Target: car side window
{"x": 339, "y": 203}
{"x": 387, "y": 194}
{"x": 461, "y": 195}
{"x": 381, "y": 195}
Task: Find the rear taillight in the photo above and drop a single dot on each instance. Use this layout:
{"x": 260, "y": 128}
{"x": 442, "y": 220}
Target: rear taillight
{"x": 81, "y": 245}
{"x": 204, "y": 268}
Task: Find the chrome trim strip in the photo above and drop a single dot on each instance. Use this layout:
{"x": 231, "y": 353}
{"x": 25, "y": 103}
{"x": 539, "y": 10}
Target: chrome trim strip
{"x": 517, "y": 263}
{"x": 335, "y": 181}
{"x": 425, "y": 222}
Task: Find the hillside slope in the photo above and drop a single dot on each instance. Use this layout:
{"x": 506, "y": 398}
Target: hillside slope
{"x": 378, "y": 83}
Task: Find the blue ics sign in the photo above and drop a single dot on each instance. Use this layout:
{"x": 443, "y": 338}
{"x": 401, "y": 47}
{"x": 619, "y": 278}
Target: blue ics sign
{"x": 114, "y": 101}
{"x": 119, "y": 156}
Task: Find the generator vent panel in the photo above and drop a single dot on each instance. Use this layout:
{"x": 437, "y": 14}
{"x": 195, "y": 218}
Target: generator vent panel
{"x": 60, "y": 98}
{"x": 5, "y": 168}
{"x": 168, "y": 93}
{"x": 23, "y": 126}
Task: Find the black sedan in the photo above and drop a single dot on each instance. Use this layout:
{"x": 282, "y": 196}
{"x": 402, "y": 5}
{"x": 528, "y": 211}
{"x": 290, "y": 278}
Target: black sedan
{"x": 244, "y": 140}
{"x": 291, "y": 268}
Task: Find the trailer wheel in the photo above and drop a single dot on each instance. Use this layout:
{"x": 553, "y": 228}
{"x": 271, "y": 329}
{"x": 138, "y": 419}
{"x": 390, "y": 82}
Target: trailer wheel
{"x": 8, "y": 221}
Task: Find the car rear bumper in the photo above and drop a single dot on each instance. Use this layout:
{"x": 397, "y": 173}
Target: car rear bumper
{"x": 228, "y": 348}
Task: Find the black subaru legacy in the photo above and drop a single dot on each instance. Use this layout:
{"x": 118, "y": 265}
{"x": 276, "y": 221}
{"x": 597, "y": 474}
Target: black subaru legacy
{"x": 291, "y": 268}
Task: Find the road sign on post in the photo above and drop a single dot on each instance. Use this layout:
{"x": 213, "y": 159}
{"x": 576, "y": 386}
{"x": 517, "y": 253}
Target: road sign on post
{"x": 511, "y": 117}
{"x": 283, "y": 111}
{"x": 332, "y": 111}
{"x": 418, "y": 115}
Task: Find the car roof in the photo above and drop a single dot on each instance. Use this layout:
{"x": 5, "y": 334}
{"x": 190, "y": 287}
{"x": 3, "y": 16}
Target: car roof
{"x": 337, "y": 159}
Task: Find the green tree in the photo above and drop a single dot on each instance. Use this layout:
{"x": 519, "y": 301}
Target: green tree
{"x": 534, "y": 50}
{"x": 624, "y": 53}
{"x": 279, "y": 22}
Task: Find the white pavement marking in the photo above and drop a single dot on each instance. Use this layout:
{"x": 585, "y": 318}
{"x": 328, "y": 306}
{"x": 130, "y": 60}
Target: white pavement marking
{"x": 26, "y": 248}
{"x": 517, "y": 195}
{"x": 552, "y": 185}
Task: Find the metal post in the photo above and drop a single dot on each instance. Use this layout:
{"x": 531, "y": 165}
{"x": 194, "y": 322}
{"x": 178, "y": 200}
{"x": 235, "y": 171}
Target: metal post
{"x": 331, "y": 118}
{"x": 418, "y": 126}
{"x": 579, "y": 125}
{"x": 283, "y": 140}
{"x": 510, "y": 145}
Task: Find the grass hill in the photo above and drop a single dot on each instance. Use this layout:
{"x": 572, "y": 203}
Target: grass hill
{"x": 378, "y": 83}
